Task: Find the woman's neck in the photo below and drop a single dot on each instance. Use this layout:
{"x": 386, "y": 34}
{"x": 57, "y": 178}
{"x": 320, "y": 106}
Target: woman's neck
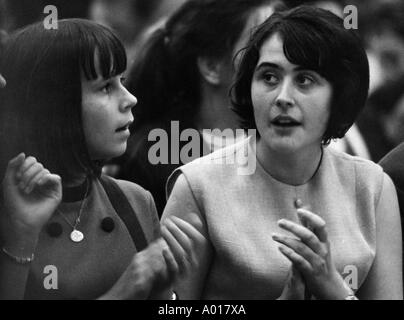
{"x": 294, "y": 168}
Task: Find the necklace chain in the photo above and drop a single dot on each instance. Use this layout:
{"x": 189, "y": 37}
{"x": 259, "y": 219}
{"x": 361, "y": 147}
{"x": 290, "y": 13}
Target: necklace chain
{"x": 77, "y": 221}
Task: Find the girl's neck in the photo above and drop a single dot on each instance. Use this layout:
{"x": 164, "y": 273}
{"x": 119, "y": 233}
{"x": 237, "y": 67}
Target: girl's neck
{"x": 75, "y": 181}
{"x": 293, "y": 168}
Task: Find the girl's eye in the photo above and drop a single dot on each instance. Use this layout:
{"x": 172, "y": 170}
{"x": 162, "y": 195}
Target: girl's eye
{"x": 106, "y": 88}
{"x": 270, "y": 78}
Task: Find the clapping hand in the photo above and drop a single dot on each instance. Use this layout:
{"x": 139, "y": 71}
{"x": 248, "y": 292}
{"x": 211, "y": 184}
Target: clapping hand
{"x": 309, "y": 251}
{"x": 154, "y": 270}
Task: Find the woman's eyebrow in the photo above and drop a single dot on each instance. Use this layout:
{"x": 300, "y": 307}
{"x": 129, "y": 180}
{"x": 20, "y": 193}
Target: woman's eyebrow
{"x": 266, "y": 64}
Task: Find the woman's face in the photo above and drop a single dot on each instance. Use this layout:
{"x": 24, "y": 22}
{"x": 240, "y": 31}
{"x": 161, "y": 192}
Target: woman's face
{"x": 291, "y": 103}
{"x": 106, "y": 112}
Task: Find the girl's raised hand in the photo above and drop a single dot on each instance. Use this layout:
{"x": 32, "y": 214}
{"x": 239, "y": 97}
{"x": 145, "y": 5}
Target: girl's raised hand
{"x": 31, "y": 195}
{"x": 309, "y": 252}
{"x": 150, "y": 274}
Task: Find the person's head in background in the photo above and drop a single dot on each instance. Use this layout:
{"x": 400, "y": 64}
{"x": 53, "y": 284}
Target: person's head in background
{"x": 186, "y": 68}
{"x": 130, "y": 19}
{"x": 335, "y": 6}
{"x": 381, "y": 23}
{"x": 3, "y": 36}
{"x": 387, "y": 102}
{"x": 64, "y": 103}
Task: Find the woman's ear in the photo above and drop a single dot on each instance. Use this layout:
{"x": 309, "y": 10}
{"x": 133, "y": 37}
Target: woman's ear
{"x": 211, "y": 70}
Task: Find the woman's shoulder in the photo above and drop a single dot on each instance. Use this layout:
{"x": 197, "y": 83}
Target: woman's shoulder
{"x": 360, "y": 164}
{"x": 215, "y": 169}
{"x": 367, "y": 175}
{"x": 227, "y": 158}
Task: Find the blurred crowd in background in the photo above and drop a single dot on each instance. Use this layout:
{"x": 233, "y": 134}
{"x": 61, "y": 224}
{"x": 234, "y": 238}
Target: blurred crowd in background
{"x": 380, "y": 24}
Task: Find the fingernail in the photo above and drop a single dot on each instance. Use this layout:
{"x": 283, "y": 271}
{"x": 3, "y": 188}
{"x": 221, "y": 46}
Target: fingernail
{"x": 282, "y": 222}
{"x": 275, "y": 236}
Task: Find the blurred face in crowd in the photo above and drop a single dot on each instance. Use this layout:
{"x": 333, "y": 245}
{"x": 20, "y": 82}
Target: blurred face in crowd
{"x": 291, "y": 103}
{"x": 386, "y": 52}
{"x": 2, "y": 81}
{"x": 394, "y": 123}
{"x": 106, "y": 114}
{"x": 257, "y": 17}
{"x": 118, "y": 15}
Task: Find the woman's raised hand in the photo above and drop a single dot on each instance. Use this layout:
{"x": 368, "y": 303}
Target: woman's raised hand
{"x": 294, "y": 288}
{"x": 309, "y": 252}
{"x": 31, "y": 195}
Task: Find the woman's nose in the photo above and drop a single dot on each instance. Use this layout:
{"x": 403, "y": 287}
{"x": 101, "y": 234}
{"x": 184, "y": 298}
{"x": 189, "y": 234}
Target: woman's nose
{"x": 285, "y": 96}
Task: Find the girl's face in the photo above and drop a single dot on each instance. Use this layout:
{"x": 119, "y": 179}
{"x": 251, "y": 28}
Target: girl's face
{"x": 291, "y": 104}
{"x": 106, "y": 113}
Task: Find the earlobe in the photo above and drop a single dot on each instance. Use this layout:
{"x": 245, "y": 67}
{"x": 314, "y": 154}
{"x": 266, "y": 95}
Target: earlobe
{"x": 210, "y": 70}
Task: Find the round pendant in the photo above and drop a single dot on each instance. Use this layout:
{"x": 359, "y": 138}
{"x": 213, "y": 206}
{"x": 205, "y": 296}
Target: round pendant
{"x": 298, "y": 203}
{"x": 76, "y": 236}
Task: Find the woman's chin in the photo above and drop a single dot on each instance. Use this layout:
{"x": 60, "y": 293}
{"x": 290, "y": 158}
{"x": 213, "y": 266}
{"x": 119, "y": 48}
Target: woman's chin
{"x": 281, "y": 145}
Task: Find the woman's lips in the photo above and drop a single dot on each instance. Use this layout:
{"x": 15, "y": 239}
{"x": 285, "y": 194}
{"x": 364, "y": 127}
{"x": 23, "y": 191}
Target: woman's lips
{"x": 285, "y": 121}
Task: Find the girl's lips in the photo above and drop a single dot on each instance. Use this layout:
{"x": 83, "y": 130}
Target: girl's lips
{"x": 125, "y": 127}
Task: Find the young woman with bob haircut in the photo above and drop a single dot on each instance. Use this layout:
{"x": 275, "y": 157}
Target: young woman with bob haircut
{"x": 67, "y": 232}
{"x": 308, "y": 217}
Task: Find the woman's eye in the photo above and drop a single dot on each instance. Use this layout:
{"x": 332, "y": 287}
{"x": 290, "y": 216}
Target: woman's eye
{"x": 270, "y": 78}
{"x": 305, "y": 80}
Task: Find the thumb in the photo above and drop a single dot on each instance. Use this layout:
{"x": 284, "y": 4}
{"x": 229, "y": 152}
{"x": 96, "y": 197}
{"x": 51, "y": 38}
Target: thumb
{"x": 294, "y": 287}
{"x": 13, "y": 165}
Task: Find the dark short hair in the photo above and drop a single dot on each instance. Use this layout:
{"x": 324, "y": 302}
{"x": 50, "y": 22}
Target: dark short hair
{"x": 41, "y": 112}
{"x": 317, "y": 40}
{"x": 165, "y": 77}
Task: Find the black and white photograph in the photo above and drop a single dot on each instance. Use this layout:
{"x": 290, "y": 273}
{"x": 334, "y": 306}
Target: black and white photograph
{"x": 218, "y": 151}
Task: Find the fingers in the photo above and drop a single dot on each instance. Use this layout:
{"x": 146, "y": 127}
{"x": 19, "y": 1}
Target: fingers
{"x": 304, "y": 234}
{"x": 14, "y": 165}
{"x": 28, "y": 162}
{"x": 299, "y": 247}
{"x": 297, "y": 260}
{"x": 179, "y": 244}
{"x": 316, "y": 223}
{"x": 172, "y": 266}
{"x": 188, "y": 229}
{"x": 35, "y": 179}
{"x": 29, "y": 175}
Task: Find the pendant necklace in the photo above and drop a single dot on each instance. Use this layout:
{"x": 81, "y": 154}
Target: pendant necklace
{"x": 76, "y": 235}
{"x": 298, "y": 202}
